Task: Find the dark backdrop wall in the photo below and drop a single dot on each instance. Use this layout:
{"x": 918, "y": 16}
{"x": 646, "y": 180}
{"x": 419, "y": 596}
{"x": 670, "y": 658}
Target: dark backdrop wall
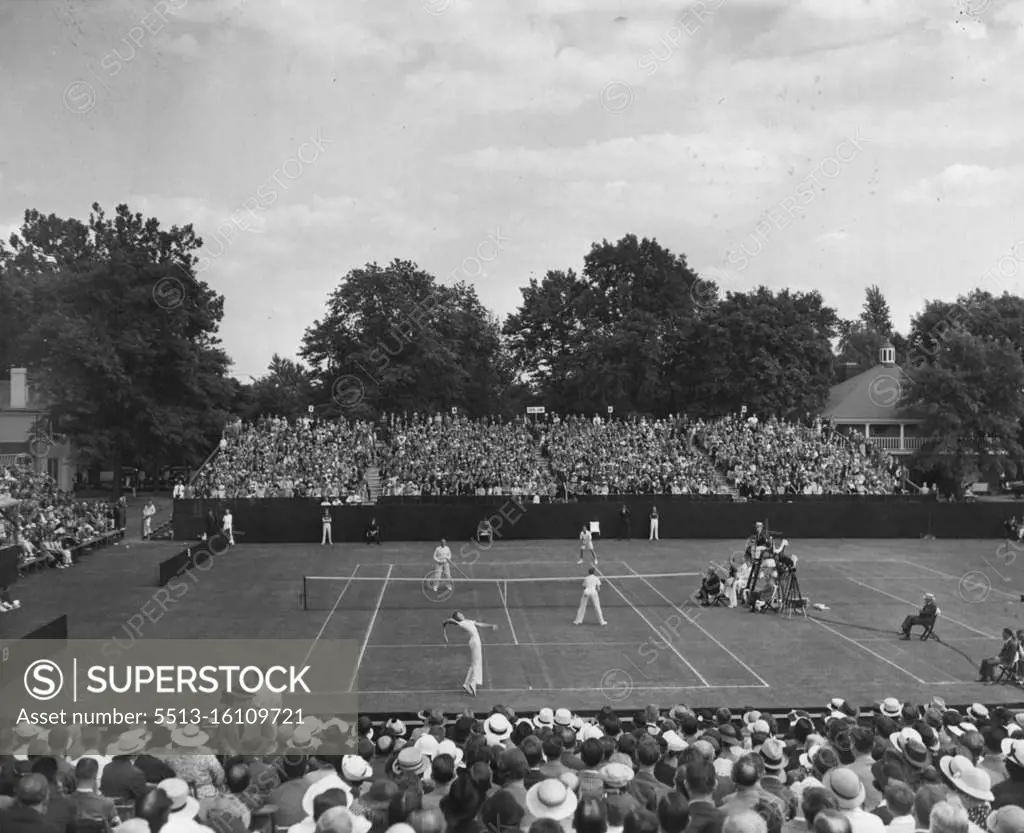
{"x": 298, "y": 521}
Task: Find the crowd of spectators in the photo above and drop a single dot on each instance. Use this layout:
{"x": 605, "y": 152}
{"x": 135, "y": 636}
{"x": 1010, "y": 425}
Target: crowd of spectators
{"x": 276, "y": 457}
{"x": 762, "y": 458}
{"x": 595, "y": 456}
{"x": 452, "y": 455}
{"x": 546, "y": 457}
{"x": 47, "y": 523}
{"x": 899, "y": 768}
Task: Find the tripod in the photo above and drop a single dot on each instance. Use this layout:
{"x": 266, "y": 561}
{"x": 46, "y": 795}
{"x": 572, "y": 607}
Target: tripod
{"x": 790, "y": 597}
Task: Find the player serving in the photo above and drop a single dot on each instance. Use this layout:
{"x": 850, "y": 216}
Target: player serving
{"x": 587, "y": 544}
{"x": 475, "y": 674}
{"x": 591, "y": 584}
{"x": 442, "y": 567}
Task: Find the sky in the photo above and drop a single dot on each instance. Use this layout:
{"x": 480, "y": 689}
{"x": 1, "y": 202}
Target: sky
{"x": 808, "y": 144}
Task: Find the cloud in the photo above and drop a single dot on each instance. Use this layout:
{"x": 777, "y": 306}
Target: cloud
{"x": 962, "y": 185}
{"x": 832, "y": 236}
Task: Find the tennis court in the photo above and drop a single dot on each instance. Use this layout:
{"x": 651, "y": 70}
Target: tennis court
{"x": 657, "y": 647}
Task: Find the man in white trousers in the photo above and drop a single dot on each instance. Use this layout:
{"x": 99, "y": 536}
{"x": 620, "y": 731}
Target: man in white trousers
{"x": 227, "y": 526}
{"x": 591, "y": 584}
{"x": 587, "y": 544}
{"x": 442, "y": 566}
{"x": 654, "y": 524}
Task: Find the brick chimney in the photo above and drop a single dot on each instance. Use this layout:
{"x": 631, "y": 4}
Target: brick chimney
{"x": 19, "y": 388}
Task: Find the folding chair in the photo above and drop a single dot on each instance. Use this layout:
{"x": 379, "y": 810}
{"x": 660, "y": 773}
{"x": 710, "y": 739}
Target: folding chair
{"x": 1012, "y": 672}
{"x": 929, "y": 629}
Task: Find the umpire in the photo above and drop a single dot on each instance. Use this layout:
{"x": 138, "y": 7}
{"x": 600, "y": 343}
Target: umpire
{"x": 925, "y": 617}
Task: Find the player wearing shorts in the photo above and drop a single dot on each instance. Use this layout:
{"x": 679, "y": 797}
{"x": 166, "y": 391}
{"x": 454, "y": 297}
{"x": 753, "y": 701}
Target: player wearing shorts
{"x": 591, "y": 584}
{"x": 587, "y": 544}
{"x": 442, "y": 566}
{"x": 475, "y": 674}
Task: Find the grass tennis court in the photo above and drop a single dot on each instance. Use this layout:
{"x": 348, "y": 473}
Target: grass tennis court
{"x": 657, "y": 647}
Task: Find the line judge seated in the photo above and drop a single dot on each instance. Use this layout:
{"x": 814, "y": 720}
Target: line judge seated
{"x": 484, "y": 530}
{"x": 925, "y": 618}
{"x": 373, "y": 532}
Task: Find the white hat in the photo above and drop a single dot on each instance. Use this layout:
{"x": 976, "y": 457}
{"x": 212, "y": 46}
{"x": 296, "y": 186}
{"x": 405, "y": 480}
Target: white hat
{"x": 891, "y": 707}
{"x": 189, "y": 736}
{"x": 497, "y": 729}
{"x": 589, "y": 731}
{"x": 978, "y": 712}
{"x": 330, "y": 782}
{"x": 130, "y": 742}
{"x": 395, "y": 727}
{"x": 354, "y": 768}
{"x": 427, "y": 744}
{"x": 448, "y": 747}
{"x": 183, "y": 805}
{"x": 550, "y": 799}
{"x": 545, "y": 718}
{"x": 563, "y": 717}
{"x": 1013, "y": 751}
{"x": 675, "y": 743}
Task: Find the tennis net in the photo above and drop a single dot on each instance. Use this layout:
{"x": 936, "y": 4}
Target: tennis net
{"x": 366, "y": 593}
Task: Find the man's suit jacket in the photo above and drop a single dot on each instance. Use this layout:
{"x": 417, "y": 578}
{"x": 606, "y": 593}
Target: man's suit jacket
{"x": 647, "y": 786}
{"x": 153, "y": 769}
{"x": 665, "y": 771}
{"x": 776, "y": 787}
{"x": 862, "y": 766}
{"x": 1008, "y": 792}
{"x": 533, "y": 776}
{"x": 60, "y": 812}
{"x": 93, "y": 806}
{"x": 572, "y": 762}
{"x": 20, "y": 819}
{"x": 122, "y": 781}
{"x": 704, "y": 818}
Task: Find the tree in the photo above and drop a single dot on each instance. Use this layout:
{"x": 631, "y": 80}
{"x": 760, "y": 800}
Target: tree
{"x": 393, "y": 339}
{"x": 602, "y": 339}
{"x": 286, "y": 390}
{"x": 875, "y": 315}
{"x": 122, "y": 340}
{"x": 971, "y": 393}
{"x": 861, "y": 339}
{"x": 978, "y": 312}
{"x": 768, "y": 351}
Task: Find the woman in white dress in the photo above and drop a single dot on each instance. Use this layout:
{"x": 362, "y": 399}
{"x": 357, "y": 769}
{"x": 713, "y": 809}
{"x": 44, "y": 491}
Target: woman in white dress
{"x": 475, "y": 674}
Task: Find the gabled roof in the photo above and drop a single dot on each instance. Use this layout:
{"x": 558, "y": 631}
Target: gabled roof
{"x": 871, "y": 396}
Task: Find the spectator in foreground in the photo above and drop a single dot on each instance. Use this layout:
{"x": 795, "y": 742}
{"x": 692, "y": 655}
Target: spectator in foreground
{"x": 27, "y": 813}
{"x": 948, "y": 818}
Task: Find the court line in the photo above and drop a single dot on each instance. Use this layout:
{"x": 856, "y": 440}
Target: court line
{"x": 953, "y": 639}
{"x": 700, "y": 627}
{"x": 533, "y": 690}
{"x": 656, "y": 633}
{"x": 905, "y": 601}
{"x": 504, "y": 604}
{"x": 323, "y": 627}
{"x": 518, "y": 645}
{"x": 875, "y": 654}
{"x": 369, "y": 629}
{"x": 1014, "y": 596}
{"x": 513, "y": 581}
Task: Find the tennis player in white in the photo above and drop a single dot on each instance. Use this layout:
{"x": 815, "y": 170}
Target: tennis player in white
{"x": 442, "y": 566}
{"x": 475, "y": 674}
{"x": 591, "y": 584}
{"x": 227, "y": 526}
{"x": 587, "y": 544}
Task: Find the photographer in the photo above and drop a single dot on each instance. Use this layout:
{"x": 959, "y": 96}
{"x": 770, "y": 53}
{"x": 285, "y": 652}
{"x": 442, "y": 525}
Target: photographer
{"x": 1014, "y": 529}
{"x": 710, "y": 588}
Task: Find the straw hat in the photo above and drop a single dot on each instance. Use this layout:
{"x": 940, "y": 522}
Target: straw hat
{"x": 183, "y": 805}
{"x": 332, "y": 781}
{"x": 497, "y": 729}
{"x": 847, "y": 789}
{"x": 448, "y": 747}
{"x": 891, "y": 707}
{"x": 189, "y": 736}
{"x": 130, "y": 742}
{"x": 975, "y": 782}
{"x": 545, "y": 719}
{"x": 354, "y": 768}
{"x": 410, "y": 761}
{"x": 550, "y": 799}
